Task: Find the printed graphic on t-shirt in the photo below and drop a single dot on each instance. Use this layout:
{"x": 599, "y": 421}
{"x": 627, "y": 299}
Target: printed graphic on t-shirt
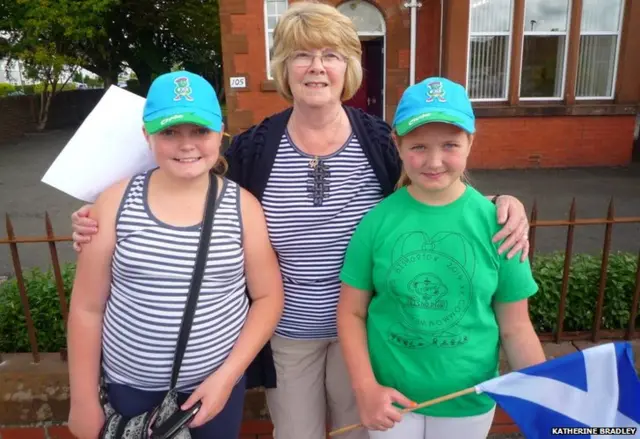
{"x": 431, "y": 279}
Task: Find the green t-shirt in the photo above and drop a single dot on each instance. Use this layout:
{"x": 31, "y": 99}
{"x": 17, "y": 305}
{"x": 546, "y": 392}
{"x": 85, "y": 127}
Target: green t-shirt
{"x": 434, "y": 273}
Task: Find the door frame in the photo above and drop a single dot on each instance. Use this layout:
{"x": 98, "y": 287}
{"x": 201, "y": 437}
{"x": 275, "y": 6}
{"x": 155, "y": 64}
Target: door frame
{"x": 635, "y": 146}
{"x": 382, "y": 34}
{"x": 383, "y": 92}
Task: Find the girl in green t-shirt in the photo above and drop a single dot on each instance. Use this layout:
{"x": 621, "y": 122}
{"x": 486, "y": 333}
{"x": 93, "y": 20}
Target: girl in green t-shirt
{"x": 427, "y": 300}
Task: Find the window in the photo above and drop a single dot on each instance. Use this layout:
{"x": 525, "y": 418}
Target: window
{"x": 489, "y": 49}
{"x": 599, "y": 44}
{"x": 544, "y": 48}
{"x": 519, "y": 49}
{"x": 366, "y": 17}
{"x": 273, "y": 9}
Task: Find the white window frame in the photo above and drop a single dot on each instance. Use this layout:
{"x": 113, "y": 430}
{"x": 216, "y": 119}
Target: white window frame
{"x": 564, "y": 57}
{"x": 268, "y": 31}
{"x": 509, "y": 52}
{"x": 616, "y": 57}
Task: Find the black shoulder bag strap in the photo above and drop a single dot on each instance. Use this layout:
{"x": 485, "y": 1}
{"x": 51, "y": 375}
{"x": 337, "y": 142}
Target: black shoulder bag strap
{"x": 196, "y": 279}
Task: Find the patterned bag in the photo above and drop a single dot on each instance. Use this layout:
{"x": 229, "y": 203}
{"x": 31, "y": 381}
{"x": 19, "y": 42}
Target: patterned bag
{"x": 117, "y": 426}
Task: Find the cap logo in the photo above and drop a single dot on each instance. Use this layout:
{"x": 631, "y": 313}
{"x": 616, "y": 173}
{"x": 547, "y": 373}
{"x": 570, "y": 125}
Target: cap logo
{"x": 183, "y": 89}
{"x": 170, "y": 118}
{"x": 414, "y": 121}
{"x": 435, "y": 92}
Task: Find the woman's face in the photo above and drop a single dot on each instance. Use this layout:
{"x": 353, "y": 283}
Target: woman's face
{"x": 316, "y": 77}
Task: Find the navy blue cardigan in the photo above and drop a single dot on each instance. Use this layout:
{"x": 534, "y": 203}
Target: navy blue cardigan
{"x": 251, "y": 156}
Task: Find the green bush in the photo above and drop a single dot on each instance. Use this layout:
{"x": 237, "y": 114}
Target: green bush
{"x": 26, "y": 89}
{"x": 582, "y": 291}
{"x": 38, "y": 88}
{"x": 44, "y": 304}
{"x": 6, "y": 88}
{"x": 94, "y": 82}
{"x": 579, "y": 310}
{"x": 31, "y": 89}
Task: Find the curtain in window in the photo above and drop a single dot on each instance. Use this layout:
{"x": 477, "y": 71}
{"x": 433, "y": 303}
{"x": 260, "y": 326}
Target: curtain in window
{"x": 599, "y": 35}
{"x": 489, "y": 49}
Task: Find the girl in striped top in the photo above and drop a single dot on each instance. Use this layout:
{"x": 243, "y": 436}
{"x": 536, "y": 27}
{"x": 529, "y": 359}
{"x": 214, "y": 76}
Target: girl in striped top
{"x": 132, "y": 281}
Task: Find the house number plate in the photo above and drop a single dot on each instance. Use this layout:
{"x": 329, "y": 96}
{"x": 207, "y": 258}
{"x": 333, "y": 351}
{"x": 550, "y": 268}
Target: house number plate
{"x": 238, "y": 82}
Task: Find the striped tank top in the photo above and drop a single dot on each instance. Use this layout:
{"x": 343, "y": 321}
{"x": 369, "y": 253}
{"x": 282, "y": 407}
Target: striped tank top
{"x": 312, "y": 210}
{"x": 151, "y": 272}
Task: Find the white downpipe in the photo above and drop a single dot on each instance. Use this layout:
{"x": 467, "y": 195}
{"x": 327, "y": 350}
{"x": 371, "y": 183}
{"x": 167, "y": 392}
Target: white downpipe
{"x": 414, "y": 5}
{"x": 441, "y": 37}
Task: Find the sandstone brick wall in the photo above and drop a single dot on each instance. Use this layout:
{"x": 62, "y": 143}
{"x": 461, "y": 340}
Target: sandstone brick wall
{"x": 39, "y": 393}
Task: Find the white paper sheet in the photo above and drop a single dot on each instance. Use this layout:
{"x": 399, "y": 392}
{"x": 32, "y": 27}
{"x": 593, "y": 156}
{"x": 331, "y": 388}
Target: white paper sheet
{"x": 107, "y": 147}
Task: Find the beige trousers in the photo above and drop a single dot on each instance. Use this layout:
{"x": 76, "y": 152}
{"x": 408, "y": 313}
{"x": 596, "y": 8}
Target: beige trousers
{"x": 313, "y": 388}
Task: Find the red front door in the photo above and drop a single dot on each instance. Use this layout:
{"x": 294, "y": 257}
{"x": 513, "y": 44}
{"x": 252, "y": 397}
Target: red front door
{"x": 359, "y": 100}
{"x": 369, "y": 95}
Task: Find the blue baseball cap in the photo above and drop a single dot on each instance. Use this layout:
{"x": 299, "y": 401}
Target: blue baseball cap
{"x": 434, "y": 100}
{"x": 181, "y": 97}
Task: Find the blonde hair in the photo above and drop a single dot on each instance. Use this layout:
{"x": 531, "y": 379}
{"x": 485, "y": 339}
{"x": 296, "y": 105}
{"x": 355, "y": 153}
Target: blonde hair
{"x": 404, "y": 179}
{"x": 312, "y": 25}
{"x": 221, "y": 166}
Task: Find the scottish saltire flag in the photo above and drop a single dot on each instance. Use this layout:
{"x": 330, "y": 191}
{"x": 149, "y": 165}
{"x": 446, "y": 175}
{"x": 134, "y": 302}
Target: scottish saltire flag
{"x": 591, "y": 393}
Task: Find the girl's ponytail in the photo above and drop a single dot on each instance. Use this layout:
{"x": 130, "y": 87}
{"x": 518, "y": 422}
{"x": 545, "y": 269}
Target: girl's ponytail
{"x": 221, "y": 167}
{"x": 404, "y": 179}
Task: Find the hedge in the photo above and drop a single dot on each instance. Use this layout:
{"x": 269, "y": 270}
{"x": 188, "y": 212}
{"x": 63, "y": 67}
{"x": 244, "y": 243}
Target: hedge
{"x": 582, "y": 294}
{"x": 7, "y": 88}
{"x": 547, "y": 268}
{"x": 44, "y": 305}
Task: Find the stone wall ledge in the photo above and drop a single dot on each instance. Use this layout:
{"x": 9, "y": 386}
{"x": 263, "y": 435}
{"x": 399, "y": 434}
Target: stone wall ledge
{"x": 32, "y": 394}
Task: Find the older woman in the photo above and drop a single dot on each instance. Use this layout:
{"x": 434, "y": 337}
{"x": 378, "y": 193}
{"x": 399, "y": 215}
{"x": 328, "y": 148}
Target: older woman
{"x": 317, "y": 168}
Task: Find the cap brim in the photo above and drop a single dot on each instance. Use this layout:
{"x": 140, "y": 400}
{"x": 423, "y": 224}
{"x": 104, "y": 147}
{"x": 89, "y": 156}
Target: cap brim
{"x": 407, "y": 125}
{"x": 157, "y": 124}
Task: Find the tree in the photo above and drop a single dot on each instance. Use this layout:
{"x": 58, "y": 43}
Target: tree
{"x": 200, "y": 47}
{"x": 153, "y": 36}
{"x": 103, "y": 36}
{"x": 46, "y": 36}
{"x": 53, "y": 71}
